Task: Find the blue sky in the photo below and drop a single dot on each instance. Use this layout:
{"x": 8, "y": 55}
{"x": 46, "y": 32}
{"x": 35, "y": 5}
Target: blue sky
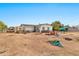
{"x": 34, "y": 13}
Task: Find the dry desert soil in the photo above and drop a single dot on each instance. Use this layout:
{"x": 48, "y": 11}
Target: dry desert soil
{"x": 36, "y": 44}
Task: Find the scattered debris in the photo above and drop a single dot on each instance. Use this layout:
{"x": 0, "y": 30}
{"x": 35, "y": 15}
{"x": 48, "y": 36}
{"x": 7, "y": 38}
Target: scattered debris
{"x": 57, "y": 35}
{"x": 50, "y": 33}
{"x": 69, "y": 39}
{"x": 56, "y": 43}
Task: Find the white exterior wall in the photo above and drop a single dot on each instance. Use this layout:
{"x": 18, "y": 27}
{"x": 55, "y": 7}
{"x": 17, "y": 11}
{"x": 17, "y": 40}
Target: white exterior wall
{"x": 29, "y": 28}
{"x": 45, "y": 26}
{"x": 18, "y": 28}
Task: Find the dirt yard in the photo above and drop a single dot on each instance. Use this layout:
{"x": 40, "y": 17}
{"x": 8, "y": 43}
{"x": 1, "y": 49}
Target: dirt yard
{"x": 34, "y": 44}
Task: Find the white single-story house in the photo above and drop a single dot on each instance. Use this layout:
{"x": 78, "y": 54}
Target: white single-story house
{"x": 43, "y": 27}
{"x": 33, "y": 28}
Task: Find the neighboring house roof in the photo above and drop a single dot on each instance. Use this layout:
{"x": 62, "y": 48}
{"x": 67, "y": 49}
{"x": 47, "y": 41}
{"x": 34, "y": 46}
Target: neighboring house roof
{"x": 11, "y": 27}
{"x": 45, "y": 24}
{"x": 35, "y": 25}
{"x": 26, "y": 25}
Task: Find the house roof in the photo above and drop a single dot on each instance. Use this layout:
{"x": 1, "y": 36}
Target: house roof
{"x": 45, "y": 24}
{"x": 35, "y": 25}
{"x": 27, "y": 25}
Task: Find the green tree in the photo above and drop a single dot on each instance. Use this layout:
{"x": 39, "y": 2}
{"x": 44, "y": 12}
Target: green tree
{"x": 3, "y": 26}
{"x": 56, "y": 25}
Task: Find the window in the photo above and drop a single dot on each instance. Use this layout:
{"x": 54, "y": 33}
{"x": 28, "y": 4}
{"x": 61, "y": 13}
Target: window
{"x": 20, "y": 28}
{"x": 43, "y": 28}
